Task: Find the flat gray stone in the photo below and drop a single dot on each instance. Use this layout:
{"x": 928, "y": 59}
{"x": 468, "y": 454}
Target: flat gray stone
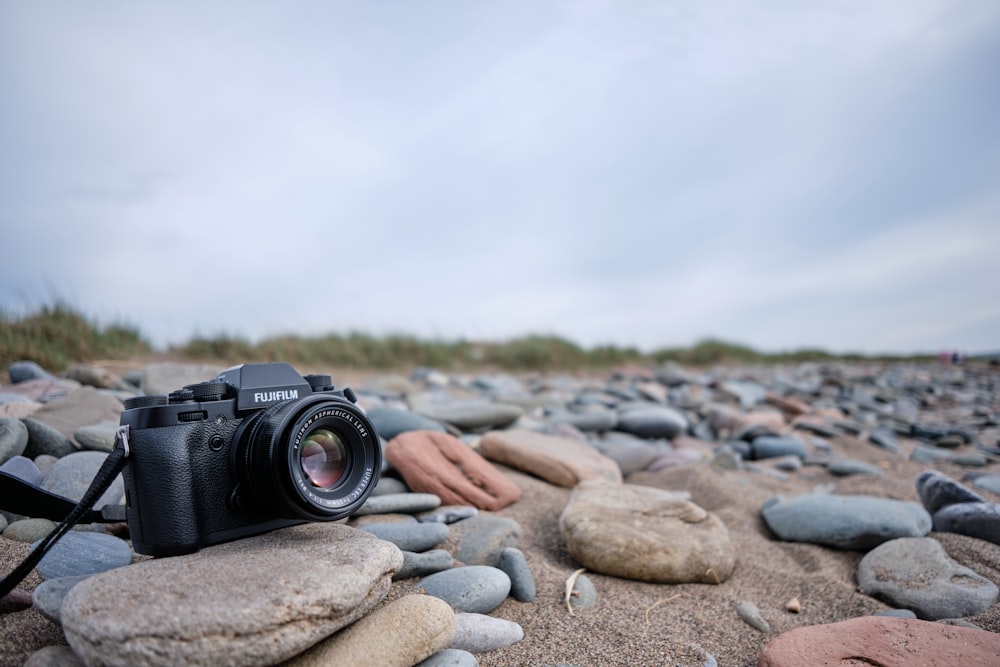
{"x": 43, "y": 439}
{"x": 390, "y": 422}
{"x": 478, "y": 633}
{"x": 422, "y": 564}
{"x": 654, "y": 421}
{"x": 413, "y": 536}
{"x": 979, "y": 520}
{"x": 988, "y": 483}
{"x": 522, "y": 581}
{"x": 254, "y": 601}
{"x": 399, "y": 503}
{"x": 99, "y": 437}
{"x": 478, "y": 589}
{"x": 937, "y": 490}
{"x": 584, "y": 593}
{"x": 844, "y": 522}
{"x": 848, "y": 467}
{"x": 72, "y": 474}
{"x": 82, "y": 553}
{"x": 24, "y": 469}
{"x": 481, "y": 539}
{"x": 450, "y": 657}
{"x": 48, "y": 596}
{"x": 448, "y": 514}
{"x": 22, "y": 371}
{"x": 13, "y": 438}
{"x": 54, "y": 656}
{"x": 915, "y": 573}
{"x": 770, "y": 446}
{"x": 470, "y": 414}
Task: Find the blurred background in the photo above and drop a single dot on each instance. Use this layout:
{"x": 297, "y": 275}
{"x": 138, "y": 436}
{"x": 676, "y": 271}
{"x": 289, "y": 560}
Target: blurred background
{"x": 630, "y": 175}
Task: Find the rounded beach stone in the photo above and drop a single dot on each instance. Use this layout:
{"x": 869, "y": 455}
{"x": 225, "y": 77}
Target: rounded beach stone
{"x": 937, "y": 490}
{"x": 82, "y": 553}
{"x": 561, "y": 461}
{"x": 409, "y": 536}
{"x": 883, "y": 641}
{"x": 22, "y": 371}
{"x": 448, "y": 514}
{"x": 28, "y": 530}
{"x": 43, "y": 439}
{"x": 422, "y": 564}
{"x": 472, "y": 414}
{"x": 54, "y": 656}
{"x": 980, "y": 520}
{"x": 477, "y": 589}
{"x": 481, "y": 539}
{"x": 72, "y": 474}
{"x": 584, "y": 593}
{"x": 399, "y": 634}
{"x": 399, "y": 503}
{"x": 254, "y": 601}
{"x": 849, "y": 467}
{"x": 48, "y": 597}
{"x": 13, "y": 438}
{"x": 643, "y": 533}
{"x": 769, "y": 447}
{"x": 390, "y": 422}
{"x": 441, "y": 464}
{"x": 478, "y": 633}
{"x": 81, "y": 407}
{"x": 844, "y": 522}
{"x": 99, "y": 437}
{"x": 915, "y": 573}
{"x": 24, "y": 469}
{"x": 654, "y": 421}
{"x": 522, "y": 582}
{"x": 450, "y": 657}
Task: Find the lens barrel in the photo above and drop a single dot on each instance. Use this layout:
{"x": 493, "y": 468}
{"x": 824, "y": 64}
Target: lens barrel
{"x": 315, "y": 458}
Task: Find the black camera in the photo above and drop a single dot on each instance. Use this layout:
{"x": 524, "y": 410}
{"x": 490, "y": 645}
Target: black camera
{"x": 258, "y": 448}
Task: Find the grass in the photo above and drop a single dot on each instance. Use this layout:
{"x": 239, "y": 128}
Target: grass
{"x": 56, "y": 336}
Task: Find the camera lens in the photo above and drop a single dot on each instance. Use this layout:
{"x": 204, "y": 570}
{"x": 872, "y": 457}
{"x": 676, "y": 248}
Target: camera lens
{"x": 315, "y": 458}
{"x": 323, "y": 457}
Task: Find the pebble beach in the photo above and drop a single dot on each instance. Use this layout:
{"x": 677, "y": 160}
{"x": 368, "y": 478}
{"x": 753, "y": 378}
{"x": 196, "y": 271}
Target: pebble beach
{"x": 821, "y": 513}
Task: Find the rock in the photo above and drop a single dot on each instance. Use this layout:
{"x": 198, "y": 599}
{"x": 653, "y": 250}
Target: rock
{"x": 54, "y": 656}
{"x": 583, "y": 595}
{"x": 49, "y": 595}
{"x": 925, "y": 454}
{"x": 254, "y": 601}
{"x": 22, "y": 371}
{"x": 72, "y": 474}
{"x": 470, "y": 415}
{"x": 561, "y": 461}
{"x": 916, "y": 573}
{"x": 788, "y": 463}
{"x": 389, "y": 485}
{"x": 22, "y": 468}
{"x": 988, "y": 483}
{"x": 522, "y": 582}
{"x": 937, "y": 490}
{"x": 13, "y": 438}
{"x": 847, "y": 467}
{"x": 164, "y": 378}
{"x": 441, "y": 464}
{"x": 99, "y": 437}
{"x": 885, "y": 438}
{"x": 399, "y": 503}
{"x": 643, "y": 533}
{"x": 448, "y": 514}
{"x": 478, "y": 589}
{"x": 390, "y": 422}
{"x": 751, "y": 615}
{"x": 980, "y": 520}
{"x": 450, "y": 657}
{"x": 409, "y": 536}
{"x": 481, "y": 539}
{"x": 399, "y": 634}
{"x": 478, "y": 633}
{"x": 897, "y": 613}
{"x": 630, "y": 455}
{"x": 94, "y": 376}
{"x": 422, "y": 564}
{"x": 769, "y": 446}
{"x": 82, "y": 553}
{"x": 17, "y": 600}
{"x": 594, "y": 419}
{"x": 28, "y": 530}
{"x": 887, "y": 642}
{"x": 82, "y": 407}
{"x": 43, "y": 439}
{"x": 844, "y": 522}
{"x": 654, "y": 421}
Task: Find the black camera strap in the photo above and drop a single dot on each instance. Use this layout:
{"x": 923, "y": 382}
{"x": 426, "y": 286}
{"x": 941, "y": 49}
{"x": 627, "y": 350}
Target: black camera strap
{"x": 81, "y": 512}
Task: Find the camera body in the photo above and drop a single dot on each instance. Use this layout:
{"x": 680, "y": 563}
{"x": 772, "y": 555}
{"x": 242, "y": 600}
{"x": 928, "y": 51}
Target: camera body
{"x": 258, "y": 448}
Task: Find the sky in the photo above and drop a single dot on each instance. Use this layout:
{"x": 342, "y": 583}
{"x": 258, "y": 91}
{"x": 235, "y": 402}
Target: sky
{"x": 642, "y": 173}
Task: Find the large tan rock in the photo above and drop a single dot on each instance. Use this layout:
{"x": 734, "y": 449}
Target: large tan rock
{"x": 562, "y": 461}
{"x": 400, "y": 634}
{"x": 439, "y": 463}
{"x": 883, "y": 641}
{"x": 638, "y": 532}
{"x": 255, "y": 601}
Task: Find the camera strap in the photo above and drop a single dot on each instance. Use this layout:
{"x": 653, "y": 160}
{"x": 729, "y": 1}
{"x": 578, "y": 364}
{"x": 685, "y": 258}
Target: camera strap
{"x": 82, "y": 511}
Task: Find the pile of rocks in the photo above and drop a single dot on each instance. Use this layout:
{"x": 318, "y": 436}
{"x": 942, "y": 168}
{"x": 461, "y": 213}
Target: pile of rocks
{"x": 416, "y": 574}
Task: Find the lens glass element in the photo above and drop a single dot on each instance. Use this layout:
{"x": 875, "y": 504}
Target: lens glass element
{"x": 323, "y": 457}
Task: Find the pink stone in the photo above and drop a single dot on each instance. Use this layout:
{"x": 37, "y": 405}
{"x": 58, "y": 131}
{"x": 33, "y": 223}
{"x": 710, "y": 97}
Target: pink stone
{"x": 884, "y": 641}
{"x": 561, "y": 461}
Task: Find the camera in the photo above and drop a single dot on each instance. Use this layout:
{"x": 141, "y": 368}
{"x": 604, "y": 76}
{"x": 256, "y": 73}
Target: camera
{"x": 258, "y": 448}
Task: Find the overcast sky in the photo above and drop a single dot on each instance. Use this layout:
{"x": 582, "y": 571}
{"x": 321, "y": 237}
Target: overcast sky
{"x": 639, "y": 172}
